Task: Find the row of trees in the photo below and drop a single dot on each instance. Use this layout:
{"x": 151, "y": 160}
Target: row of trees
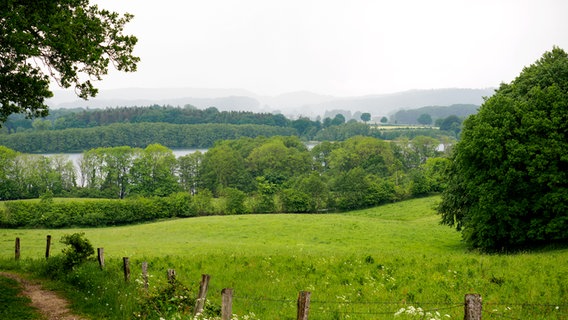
{"x": 135, "y": 135}
{"x": 60, "y": 119}
{"x": 178, "y": 136}
{"x": 434, "y": 113}
{"x": 273, "y": 174}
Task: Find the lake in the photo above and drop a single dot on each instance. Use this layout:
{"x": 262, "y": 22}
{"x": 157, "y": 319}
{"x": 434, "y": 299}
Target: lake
{"x": 75, "y": 157}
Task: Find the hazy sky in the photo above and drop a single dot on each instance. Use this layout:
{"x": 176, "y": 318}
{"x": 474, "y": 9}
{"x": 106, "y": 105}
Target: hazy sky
{"x": 337, "y": 47}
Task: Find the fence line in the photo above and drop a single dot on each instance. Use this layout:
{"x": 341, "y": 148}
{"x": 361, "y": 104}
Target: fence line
{"x": 500, "y": 315}
{"x": 472, "y": 302}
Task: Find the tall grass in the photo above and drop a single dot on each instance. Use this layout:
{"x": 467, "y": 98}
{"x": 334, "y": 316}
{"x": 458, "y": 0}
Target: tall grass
{"x": 363, "y": 264}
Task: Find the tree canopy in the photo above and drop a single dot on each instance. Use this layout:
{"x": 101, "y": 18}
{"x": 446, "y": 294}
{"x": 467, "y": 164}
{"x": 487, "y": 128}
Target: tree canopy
{"x": 68, "y": 41}
{"x": 508, "y": 181}
{"x": 425, "y": 119}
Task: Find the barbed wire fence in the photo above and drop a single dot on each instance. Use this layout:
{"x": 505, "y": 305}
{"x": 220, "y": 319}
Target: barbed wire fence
{"x": 472, "y": 306}
{"x": 339, "y": 309}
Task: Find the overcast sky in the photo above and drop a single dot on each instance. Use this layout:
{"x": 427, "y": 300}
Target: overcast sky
{"x": 336, "y": 47}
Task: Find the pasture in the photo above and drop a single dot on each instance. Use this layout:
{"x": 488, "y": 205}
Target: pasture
{"x": 364, "y": 264}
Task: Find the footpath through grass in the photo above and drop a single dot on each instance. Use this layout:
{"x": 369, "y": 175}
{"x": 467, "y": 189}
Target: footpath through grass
{"x": 364, "y": 264}
{"x": 13, "y": 305}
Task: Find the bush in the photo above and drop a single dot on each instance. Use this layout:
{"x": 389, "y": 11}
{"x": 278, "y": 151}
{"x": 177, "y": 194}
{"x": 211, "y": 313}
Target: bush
{"x": 78, "y": 251}
{"x": 295, "y": 201}
{"x": 235, "y": 201}
{"x": 202, "y": 202}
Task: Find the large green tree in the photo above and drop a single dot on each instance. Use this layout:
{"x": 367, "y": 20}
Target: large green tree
{"x": 153, "y": 172}
{"x": 9, "y": 189}
{"x": 276, "y": 160}
{"x": 68, "y": 41}
{"x": 508, "y": 181}
{"x": 189, "y": 167}
{"x": 425, "y": 119}
{"x": 224, "y": 167}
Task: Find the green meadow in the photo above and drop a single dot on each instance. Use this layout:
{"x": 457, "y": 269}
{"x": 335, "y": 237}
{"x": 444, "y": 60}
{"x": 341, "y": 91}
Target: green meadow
{"x": 365, "y": 264}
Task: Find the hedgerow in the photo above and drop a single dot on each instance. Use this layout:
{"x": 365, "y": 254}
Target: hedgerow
{"x": 94, "y": 213}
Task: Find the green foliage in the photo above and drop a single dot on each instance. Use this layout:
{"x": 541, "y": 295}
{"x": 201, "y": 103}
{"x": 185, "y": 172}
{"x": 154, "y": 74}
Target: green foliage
{"x": 188, "y": 171}
{"x": 260, "y": 167}
{"x": 435, "y": 169}
{"x": 9, "y": 188}
{"x": 86, "y": 118}
{"x": 31, "y": 176}
{"x": 128, "y": 134}
{"x": 394, "y": 133}
{"x": 78, "y": 250}
{"x": 72, "y": 39}
{"x": 235, "y": 201}
{"x": 356, "y": 189}
{"x": 343, "y": 131}
{"x": 317, "y": 189}
{"x": 425, "y": 119}
{"x": 507, "y": 182}
{"x": 370, "y": 154}
{"x": 172, "y": 301}
{"x": 420, "y": 185}
{"x": 98, "y": 213}
{"x": 295, "y": 201}
{"x": 152, "y": 172}
{"x": 274, "y": 158}
{"x": 181, "y": 204}
{"x": 437, "y": 113}
{"x": 223, "y": 167}
{"x": 107, "y": 170}
{"x": 451, "y": 123}
{"x": 202, "y": 202}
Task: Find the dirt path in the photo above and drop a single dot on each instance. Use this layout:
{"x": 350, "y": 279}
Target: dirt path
{"x": 51, "y": 305}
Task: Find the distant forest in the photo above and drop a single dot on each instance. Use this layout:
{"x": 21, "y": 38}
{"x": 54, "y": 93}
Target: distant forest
{"x": 77, "y": 130}
{"x": 84, "y": 118}
{"x": 436, "y": 112}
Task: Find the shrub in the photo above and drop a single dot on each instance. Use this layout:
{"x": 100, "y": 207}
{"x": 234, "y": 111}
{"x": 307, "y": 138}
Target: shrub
{"x": 77, "y": 251}
{"x": 202, "y": 202}
{"x": 295, "y": 201}
{"x": 235, "y": 201}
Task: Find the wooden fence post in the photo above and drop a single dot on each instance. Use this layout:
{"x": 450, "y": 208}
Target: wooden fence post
{"x": 226, "y": 304}
{"x": 472, "y": 307}
{"x": 126, "y": 267}
{"x": 145, "y": 274}
{"x": 171, "y": 276}
{"x": 203, "y": 286}
{"x": 101, "y": 257}
{"x": 17, "y": 250}
{"x": 47, "y": 246}
{"x": 303, "y": 305}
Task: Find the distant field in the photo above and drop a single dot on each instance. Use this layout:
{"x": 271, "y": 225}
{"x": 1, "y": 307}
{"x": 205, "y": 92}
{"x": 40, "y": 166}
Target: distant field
{"x": 363, "y": 264}
{"x": 394, "y": 127}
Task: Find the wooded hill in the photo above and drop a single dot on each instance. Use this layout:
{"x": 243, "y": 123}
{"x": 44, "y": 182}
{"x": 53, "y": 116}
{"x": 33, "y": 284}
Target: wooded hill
{"x": 436, "y": 112}
{"x": 175, "y": 127}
